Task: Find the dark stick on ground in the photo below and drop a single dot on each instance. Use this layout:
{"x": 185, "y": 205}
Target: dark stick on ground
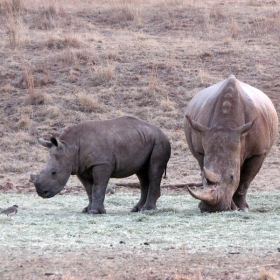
{"x": 172, "y": 186}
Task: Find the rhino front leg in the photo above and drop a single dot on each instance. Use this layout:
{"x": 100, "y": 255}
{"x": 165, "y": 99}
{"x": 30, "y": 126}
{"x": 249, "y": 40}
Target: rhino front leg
{"x": 101, "y": 175}
{"x": 88, "y": 187}
{"x": 249, "y": 170}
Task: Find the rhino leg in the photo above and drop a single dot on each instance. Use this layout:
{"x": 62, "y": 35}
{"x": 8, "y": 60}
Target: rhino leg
{"x": 153, "y": 193}
{"x": 144, "y": 186}
{"x": 155, "y": 172}
{"x": 88, "y": 187}
{"x": 249, "y": 170}
{"x": 101, "y": 175}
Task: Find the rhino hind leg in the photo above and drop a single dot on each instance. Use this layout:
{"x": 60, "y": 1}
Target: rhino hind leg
{"x": 155, "y": 176}
{"x": 249, "y": 170}
{"x": 156, "y": 168}
{"x": 144, "y": 187}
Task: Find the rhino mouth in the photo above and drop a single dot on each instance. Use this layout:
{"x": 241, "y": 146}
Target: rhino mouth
{"x": 45, "y": 193}
{"x": 204, "y": 207}
{"x": 211, "y": 200}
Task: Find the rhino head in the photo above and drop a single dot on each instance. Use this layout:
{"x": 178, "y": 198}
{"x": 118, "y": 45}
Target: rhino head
{"x": 221, "y": 160}
{"x": 52, "y": 179}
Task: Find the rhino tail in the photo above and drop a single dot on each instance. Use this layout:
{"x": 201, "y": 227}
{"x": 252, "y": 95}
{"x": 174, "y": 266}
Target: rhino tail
{"x": 164, "y": 176}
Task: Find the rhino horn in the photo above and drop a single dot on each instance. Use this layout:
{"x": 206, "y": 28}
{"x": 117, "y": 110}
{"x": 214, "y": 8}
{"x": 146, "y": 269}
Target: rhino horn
{"x": 33, "y": 178}
{"x": 210, "y": 176}
{"x": 209, "y": 195}
{"x": 44, "y": 143}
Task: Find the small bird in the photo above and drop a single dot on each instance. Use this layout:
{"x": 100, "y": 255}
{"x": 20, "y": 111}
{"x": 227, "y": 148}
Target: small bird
{"x": 110, "y": 190}
{"x": 10, "y": 211}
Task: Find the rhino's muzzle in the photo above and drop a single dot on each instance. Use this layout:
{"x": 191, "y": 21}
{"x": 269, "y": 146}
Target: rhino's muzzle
{"x": 211, "y": 200}
{"x": 204, "y": 207}
{"x": 44, "y": 190}
{"x": 45, "y": 193}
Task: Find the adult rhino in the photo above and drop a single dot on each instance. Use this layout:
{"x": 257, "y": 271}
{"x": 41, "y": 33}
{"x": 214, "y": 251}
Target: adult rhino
{"x": 230, "y": 128}
{"x": 96, "y": 151}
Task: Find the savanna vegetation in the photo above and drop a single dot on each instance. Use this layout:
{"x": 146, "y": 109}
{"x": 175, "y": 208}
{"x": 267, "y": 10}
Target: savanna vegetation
{"x": 63, "y": 62}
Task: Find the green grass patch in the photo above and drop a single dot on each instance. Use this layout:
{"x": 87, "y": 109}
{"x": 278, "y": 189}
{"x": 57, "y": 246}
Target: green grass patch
{"x": 58, "y": 224}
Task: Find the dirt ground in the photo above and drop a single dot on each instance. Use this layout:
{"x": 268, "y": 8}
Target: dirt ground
{"x": 145, "y": 59}
{"x": 129, "y": 263}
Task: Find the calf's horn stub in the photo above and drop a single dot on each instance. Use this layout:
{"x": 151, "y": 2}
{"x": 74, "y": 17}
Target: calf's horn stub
{"x": 33, "y": 178}
{"x": 209, "y": 195}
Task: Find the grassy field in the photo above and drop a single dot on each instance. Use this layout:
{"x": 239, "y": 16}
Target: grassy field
{"x": 58, "y": 224}
{"x": 56, "y": 227}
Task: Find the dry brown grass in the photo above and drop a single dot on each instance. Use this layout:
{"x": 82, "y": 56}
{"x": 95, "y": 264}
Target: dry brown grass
{"x": 67, "y": 42}
{"x": 39, "y": 98}
{"x": 267, "y": 275}
{"x": 104, "y": 59}
{"x": 28, "y": 78}
{"x": 88, "y": 103}
{"x": 13, "y": 24}
{"x": 102, "y": 74}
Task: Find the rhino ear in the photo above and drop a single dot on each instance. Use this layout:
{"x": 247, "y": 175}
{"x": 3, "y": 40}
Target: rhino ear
{"x": 44, "y": 143}
{"x": 56, "y": 142}
{"x": 198, "y": 128}
{"x": 245, "y": 128}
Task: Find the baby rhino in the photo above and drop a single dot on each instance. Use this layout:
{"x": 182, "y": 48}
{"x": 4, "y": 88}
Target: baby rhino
{"x": 96, "y": 151}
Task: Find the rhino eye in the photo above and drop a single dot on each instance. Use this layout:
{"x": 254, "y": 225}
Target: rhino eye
{"x": 231, "y": 177}
{"x": 53, "y": 172}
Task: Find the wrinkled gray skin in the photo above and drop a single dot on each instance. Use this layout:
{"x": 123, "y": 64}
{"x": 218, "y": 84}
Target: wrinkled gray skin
{"x": 230, "y": 128}
{"x": 96, "y": 151}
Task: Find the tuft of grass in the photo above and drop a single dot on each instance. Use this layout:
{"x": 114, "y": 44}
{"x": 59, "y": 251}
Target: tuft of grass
{"x": 167, "y": 105}
{"x": 122, "y": 12}
{"x": 13, "y": 26}
{"x": 267, "y": 275}
{"x": 233, "y": 28}
{"x": 53, "y": 112}
{"x": 113, "y": 55}
{"x": 85, "y": 57}
{"x": 88, "y": 103}
{"x": 153, "y": 77}
{"x": 204, "y": 79}
{"x": 182, "y": 277}
{"x": 14, "y": 6}
{"x": 39, "y": 98}
{"x": 28, "y": 77}
{"x": 216, "y": 13}
{"x": 67, "y": 42}
{"x": 24, "y": 123}
{"x": 102, "y": 74}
